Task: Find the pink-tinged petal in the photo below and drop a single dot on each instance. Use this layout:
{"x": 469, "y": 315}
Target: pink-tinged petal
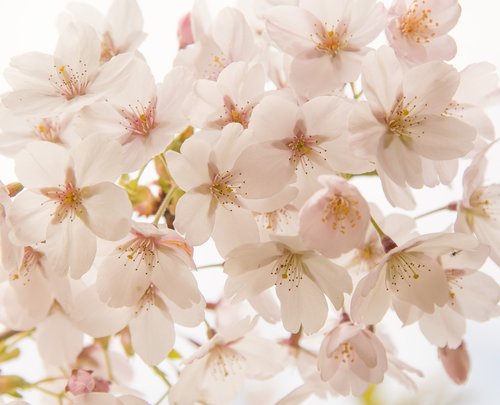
{"x": 265, "y": 170}
{"x": 59, "y": 341}
{"x": 266, "y": 306}
{"x": 195, "y": 217}
{"x": 184, "y": 390}
{"x": 153, "y": 334}
{"x": 122, "y": 280}
{"x": 189, "y": 317}
{"x": 42, "y": 164}
{"x": 382, "y": 76}
{"x": 443, "y": 328}
{"x": 96, "y": 398}
{"x": 97, "y": 159}
{"x": 29, "y": 216}
{"x": 441, "y": 48}
{"x": 71, "y": 246}
{"x": 442, "y": 138}
{"x": 488, "y": 233}
{"x": 291, "y": 28}
{"x": 456, "y": 362}
{"x": 108, "y": 211}
{"x": 131, "y": 400}
{"x": 478, "y": 296}
{"x": 332, "y": 279}
{"x": 249, "y": 284}
{"x": 233, "y": 35}
{"x": 304, "y": 306}
{"x": 326, "y": 115}
{"x": 175, "y": 280}
{"x": 172, "y": 93}
{"x": 263, "y": 358}
{"x": 184, "y": 31}
{"x": 125, "y": 21}
{"x": 368, "y": 20}
{"x": 399, "y": 163}
{"x": 274, "y": 119}
{"x": 189, "y": 168}
{"x": 370, "y": 300}
{"x": 234, "y": 228}
{"x": 251, "y": 257}
{"x": 113, "y": 76}
{"x": 365, "y": 130}
{"x": 28, "y": 71}
{"x": 97, "y": 319}
{"x": 342, "y": 158}
{"x": 430, "y": 87}
{"x": 417, "y": 279}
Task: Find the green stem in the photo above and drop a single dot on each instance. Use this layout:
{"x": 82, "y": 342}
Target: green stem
{"x": 355, "y": 93}
{"x": 377, "y": 228}
{"x": 164, "y": 205}
{"x": 162, "y": 375}
{"x": 162, "y": 398}
{"x": 107, "y": 362}
{"x": 141, "y": 171}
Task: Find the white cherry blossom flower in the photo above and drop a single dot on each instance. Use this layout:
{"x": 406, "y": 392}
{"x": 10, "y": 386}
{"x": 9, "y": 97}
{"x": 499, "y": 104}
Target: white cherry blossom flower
{"x": 479, "y": 210}
{"x": 351, "y": 358}
{"x": 215, "y": 373}
{"x": 120, "y": 31}
{"x": 70, "y": 199}
{"x": 411, "y": 273}
{"x": 334, "y": 220}
{"x": 143, "y": 117}
{"x": 404, "y": 122}
{"x": 327, "y": 40}
{"x": 302, "y": 279}
{"x": 66, "y": 81}
{"x": 418, "y": 29}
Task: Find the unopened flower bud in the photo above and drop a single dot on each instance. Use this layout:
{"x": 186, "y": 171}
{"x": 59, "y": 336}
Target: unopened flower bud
{"x": 456, "y": 362}
{"x": 80, "y": 382}
{"x": 10, "y": 383}
{"x": 184, "y": 32}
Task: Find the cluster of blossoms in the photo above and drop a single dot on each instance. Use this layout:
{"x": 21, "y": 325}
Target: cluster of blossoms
{"x": 258, "y": 135}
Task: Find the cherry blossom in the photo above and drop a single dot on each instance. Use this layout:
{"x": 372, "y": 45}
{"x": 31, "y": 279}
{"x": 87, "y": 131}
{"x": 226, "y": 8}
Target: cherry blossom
{"x": 70, "y": 199}
{"x": 334, "y": 220}
{"x": 67, "y": 81}
{"x": 328, "y": 38}
{"x": 302, "y": 279}
{"x": 402, "y": 123}
{"x": 418, "y": 29}
{"x": 216, "y": 371}
{"x": 350, "y": 358}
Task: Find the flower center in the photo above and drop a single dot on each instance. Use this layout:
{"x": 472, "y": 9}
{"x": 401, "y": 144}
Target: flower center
{"x": 139, "y": 251}
{"x": 401, "y": 122}
{"x": 31, "y": 259}
{"x": 417, "y": 22}
{"x": 303, "y": 148}
{"x": 345, "y": 353}
{"x": 329, "y": 39}
{"x": 68, "y": 198}
{"x": 485, "y": 202}
{"x": 140, "y": 120}
{"x": 235, "y": 113}
{"x": 224, "y": 190}
{"x": 225, "y": 361}
{"x": 288, "y": 268}
{"x": 342, "y": 212}
{"x": 405, "y": 267}
{"x": 48, "y": 130}
{"x": 69, "y": 82}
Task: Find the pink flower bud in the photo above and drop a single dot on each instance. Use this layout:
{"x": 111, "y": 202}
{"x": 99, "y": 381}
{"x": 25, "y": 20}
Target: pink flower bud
{"x": 80, "y": 382}
{"x": 101, "y": 385}
{"x": 456, "y": 362}
{"x": 184, "y": 32}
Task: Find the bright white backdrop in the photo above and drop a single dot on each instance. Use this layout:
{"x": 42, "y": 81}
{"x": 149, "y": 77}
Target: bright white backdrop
{"x": 27, "y": 25}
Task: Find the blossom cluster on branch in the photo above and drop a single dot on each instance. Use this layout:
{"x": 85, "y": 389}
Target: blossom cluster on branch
{"x": 256, "y": 136}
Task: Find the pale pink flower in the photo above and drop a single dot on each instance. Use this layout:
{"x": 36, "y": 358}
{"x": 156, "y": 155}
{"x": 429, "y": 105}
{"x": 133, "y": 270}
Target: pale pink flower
{"x": 411, "y": 273}
{"x": 302, "y": 278}
{"x": 479, "y": 210}
{"x": 404, "y": 122}
{"x": 456, "y": 362}
{"x": 19, "y": 130}
{"x": 67, "y": 81}
{"x": 418, "y": 29}
{"x": 220, "y": 173}
{"x": 306, "y": 140}
{"x": 70, "y": 199}
{"x": 120, "y": 30}
{"x": 143, "y": 117}
{"x": 334, "y": 220}
{"x": 148, "y": 255}
{"x": 231, "y": 98}
{"x": 327, "y": 40}
{"x": 228, "y": 39}
{"x": 472, "y": 295}
{"x": 351, "y": 358}
{"x": 216, "y": 372}
{"x": 80, "y": 382}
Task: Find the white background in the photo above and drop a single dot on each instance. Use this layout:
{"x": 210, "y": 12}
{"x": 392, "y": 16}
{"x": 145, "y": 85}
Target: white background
{"x": 29, "y": 25}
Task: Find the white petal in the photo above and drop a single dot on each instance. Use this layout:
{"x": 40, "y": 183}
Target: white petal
{"x": 108, "y": 210}
{"x": 153, "y": 334}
